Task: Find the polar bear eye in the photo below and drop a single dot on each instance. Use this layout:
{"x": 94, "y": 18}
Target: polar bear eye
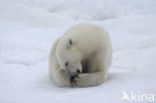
{"x": 66, "y": 64}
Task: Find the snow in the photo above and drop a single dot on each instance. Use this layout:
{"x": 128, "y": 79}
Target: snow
{"x": 28, "y": 29}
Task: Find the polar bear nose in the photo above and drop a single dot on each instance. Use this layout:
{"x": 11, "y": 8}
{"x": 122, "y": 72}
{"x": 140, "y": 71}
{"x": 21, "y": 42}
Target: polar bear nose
{"x": 74, "y": 75}
{"x": 78, "y": 71}
{"x": 72, "y": 78}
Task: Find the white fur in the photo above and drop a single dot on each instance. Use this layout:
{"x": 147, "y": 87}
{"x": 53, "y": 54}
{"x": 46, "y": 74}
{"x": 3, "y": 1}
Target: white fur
{"x": 91, "y": 46}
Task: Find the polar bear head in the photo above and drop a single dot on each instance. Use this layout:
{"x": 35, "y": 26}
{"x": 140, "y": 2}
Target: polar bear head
{"x": 69, "y": 57}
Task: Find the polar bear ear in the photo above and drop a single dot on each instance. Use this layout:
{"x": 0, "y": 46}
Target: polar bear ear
{"x": 70, "y": 42}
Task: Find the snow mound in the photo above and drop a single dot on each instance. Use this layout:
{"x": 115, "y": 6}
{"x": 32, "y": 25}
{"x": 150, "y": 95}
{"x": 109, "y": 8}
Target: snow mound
{"x": 91, "y": 10}
{"x": 21, "y": 13}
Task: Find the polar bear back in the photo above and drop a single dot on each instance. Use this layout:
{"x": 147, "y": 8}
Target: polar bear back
{"x": 89, "y": 38}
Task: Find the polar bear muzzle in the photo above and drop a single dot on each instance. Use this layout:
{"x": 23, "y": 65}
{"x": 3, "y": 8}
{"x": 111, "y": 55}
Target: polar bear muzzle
{"x": 72, "y": 74}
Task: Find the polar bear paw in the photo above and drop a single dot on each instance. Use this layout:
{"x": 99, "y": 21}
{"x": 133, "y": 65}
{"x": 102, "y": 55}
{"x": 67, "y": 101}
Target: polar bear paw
{"x": 81, "y": 80}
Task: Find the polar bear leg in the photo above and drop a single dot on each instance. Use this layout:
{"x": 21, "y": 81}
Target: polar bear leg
{"x": 89, "y": 79}
{"x": 94, "y": 76}
{"x": 61, "y": 79}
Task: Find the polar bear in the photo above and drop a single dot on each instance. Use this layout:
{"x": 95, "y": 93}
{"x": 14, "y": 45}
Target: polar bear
{"x": 81, "y": 57}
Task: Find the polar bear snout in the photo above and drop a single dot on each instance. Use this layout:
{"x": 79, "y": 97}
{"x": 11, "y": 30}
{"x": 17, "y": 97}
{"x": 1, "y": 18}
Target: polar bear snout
{"x": 72, "y": 78}
{"x": 74, "y": 75}
{"x": 78, "y": 71}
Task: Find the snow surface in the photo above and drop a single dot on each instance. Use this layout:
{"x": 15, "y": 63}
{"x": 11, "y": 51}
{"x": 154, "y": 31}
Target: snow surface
{"x": 29, "y": 27}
